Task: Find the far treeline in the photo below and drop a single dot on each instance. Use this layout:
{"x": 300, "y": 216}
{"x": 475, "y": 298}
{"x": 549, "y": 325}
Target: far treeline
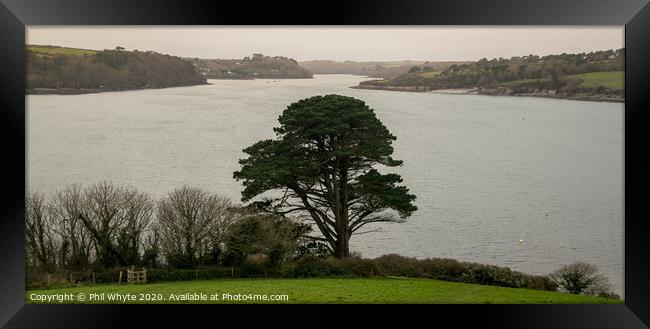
{"x": 374, "y": 69}
{"x": 52, "y": 69}
{"x": 257, "y": 66}
{"x": 596, "y": 75}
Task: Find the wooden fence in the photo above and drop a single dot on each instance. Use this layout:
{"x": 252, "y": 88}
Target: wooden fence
{"x": 133, "y": 276}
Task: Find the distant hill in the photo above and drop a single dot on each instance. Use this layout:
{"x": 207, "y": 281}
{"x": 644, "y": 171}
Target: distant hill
{"x": 52, "y": 69}
{"x": 257, "y": 66}
{"x": 375, "y": 69}
{"x": 596, "y": 75}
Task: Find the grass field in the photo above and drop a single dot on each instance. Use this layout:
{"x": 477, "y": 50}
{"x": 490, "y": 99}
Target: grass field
{"x": 373, "y": 290}
{"x": 515, "y": 83}
{"x": 49, "y": 50}
{"x": 611, "y": 79}
{"x": 429, "y": 74}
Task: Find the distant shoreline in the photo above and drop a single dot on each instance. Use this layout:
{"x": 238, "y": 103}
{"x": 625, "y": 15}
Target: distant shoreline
{"x": 491, "y": 92}
{"x": 83, "y": 91}
{"x": 262, "y": 78}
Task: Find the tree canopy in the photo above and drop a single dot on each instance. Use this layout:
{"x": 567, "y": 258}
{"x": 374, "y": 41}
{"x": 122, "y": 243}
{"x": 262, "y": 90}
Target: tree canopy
{"x": 321, "y": 167}
{"x": 109, "y": 69}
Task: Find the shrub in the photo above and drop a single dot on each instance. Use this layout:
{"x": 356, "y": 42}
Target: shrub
{"x": 443, "y": 268}
{"x": 276, "y": 238}
{"x": 492, "y": 275}
{"x": 538, "y": 282}
{"x": 354, "y": 266}
{"x": 254, "y": 266}
{"x": 207, "y": 273}
{"x": 453, "y": 270}
{"x": 608, "y": 294}
{"x": 396, "y": 265}
{"x": 39, "y": 280}
{"x": 580, "y": 278}
{"x": 312, "y": 266}
{"x": 108, "y": 276}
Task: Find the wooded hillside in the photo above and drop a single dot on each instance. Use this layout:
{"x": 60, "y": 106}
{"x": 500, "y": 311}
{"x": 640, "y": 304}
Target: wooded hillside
{"x": 58, "y": 69}
{"x": 257, "y": 66}
{"x": 598, "y": 74}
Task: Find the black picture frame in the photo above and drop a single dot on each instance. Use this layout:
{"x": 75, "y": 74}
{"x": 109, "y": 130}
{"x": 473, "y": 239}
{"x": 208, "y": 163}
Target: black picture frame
{"x": 15, "y": 14}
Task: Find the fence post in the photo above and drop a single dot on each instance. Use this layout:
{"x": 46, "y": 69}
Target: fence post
{"x": 232, "y": 272}
{"x": 120, "y": 281}
{"x": 70, "y": 277}
{"x": 131, "y": 275}
{"x": 93, "y": 277}
{"x": 144, "y": 272}
{"x": 196, "y": 274}
{"x": 49, "y": 277}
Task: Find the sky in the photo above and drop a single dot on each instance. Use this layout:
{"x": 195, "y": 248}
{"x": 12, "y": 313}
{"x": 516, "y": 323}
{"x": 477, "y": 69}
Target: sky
{"x": 364, "y": 43}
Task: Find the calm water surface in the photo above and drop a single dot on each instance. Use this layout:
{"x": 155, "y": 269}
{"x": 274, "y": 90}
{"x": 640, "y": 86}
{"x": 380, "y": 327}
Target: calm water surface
{"x": 487, "y": 171}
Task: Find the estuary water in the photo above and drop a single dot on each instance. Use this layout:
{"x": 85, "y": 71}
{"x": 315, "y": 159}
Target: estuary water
{"x": 528, "y": 183}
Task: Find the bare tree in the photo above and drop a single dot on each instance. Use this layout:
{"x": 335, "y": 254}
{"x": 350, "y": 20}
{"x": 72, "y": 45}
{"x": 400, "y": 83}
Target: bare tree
{"x": 39, "y": 233}
{"x": 138, "y": 212}
{"x": 115, "y": 217}
{"x": 192, "y": 223}
{"x": 151, "y": 246}
{"x": 579, "y": 278}
{"x": 76, "y": 242}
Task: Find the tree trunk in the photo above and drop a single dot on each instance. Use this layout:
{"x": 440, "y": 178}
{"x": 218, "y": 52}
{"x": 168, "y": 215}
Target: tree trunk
{"x": 343, "y": 235}
{"x": 343, "y": 246}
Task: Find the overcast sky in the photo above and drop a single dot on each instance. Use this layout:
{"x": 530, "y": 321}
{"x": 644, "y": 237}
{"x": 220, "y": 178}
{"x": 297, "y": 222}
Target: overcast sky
{"x": 338, "y": 43}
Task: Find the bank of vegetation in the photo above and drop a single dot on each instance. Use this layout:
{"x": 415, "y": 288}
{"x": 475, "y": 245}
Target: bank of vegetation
{"x": 373, "y": 69}
{"x": 61, "y": 70}
{"x": 84, "y": 235}
{"x": 589, "y": 76}
{"x": 257, "y": 66}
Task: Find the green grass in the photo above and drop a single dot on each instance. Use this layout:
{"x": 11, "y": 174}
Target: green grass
{"x": 372, "y": 290}
{"x": 515, "y": 83}
{"x": 610, "y": 79}
{"x": 49, "y": 50}
{"x": 430, "y": 74}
